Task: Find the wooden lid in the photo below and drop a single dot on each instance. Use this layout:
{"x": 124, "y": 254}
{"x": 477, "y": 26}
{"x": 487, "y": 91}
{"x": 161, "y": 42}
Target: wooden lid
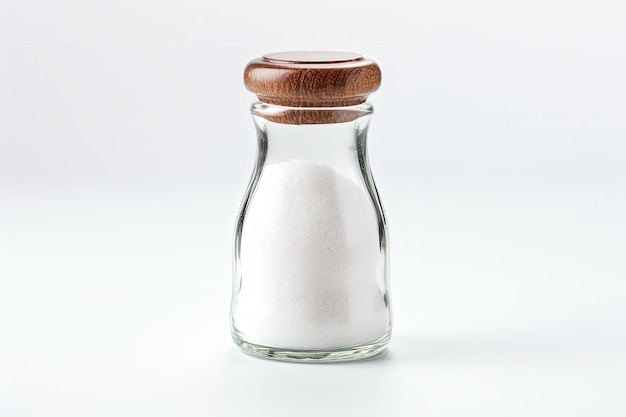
{"x": 312, "y": 79}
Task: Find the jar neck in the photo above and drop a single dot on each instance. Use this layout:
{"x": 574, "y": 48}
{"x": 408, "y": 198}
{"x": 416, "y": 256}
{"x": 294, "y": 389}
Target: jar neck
{"x": 340, "y": 145}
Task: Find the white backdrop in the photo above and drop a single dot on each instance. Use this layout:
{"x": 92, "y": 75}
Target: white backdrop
{"x": 498, "y": 146}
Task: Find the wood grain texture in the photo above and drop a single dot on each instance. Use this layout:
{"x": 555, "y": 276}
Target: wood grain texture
{"x": 312, "y": 79}
{"x": 310, "y": 116}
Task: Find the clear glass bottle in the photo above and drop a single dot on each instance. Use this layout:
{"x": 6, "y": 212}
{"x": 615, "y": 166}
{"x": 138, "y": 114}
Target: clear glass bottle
{"x": 310, "y": 250}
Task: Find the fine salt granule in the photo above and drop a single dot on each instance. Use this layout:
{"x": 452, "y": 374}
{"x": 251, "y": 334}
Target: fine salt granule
{"x": 310, "y": 261}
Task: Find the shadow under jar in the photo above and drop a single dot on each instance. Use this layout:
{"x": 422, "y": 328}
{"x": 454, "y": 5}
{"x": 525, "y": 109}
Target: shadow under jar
{"x": 310, "y": 280}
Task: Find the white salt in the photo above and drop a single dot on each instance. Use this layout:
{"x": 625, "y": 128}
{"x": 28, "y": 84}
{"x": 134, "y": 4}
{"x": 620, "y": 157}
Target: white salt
{"x": 310, "y": 260}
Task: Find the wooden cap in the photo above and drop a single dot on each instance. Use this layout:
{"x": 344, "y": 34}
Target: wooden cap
{"x": 312, "y": 79}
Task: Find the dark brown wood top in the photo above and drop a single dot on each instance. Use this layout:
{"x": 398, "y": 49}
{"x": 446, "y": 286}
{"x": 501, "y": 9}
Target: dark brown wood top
{"x": 312, "y": 79}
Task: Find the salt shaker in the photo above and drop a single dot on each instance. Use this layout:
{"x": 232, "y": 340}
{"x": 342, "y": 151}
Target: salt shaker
{"x": 310, "y": 270}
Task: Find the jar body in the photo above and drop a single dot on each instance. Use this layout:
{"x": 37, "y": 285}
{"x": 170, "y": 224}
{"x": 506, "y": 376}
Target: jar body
{"x": 310, "y": 250}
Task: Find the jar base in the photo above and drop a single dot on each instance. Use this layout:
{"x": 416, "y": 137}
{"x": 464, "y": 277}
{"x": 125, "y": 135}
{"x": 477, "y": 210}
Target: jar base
{"x": 350, "y": 353}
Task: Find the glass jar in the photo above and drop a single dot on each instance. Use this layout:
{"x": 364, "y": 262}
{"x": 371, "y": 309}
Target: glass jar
{"x": 310, "y": 249}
